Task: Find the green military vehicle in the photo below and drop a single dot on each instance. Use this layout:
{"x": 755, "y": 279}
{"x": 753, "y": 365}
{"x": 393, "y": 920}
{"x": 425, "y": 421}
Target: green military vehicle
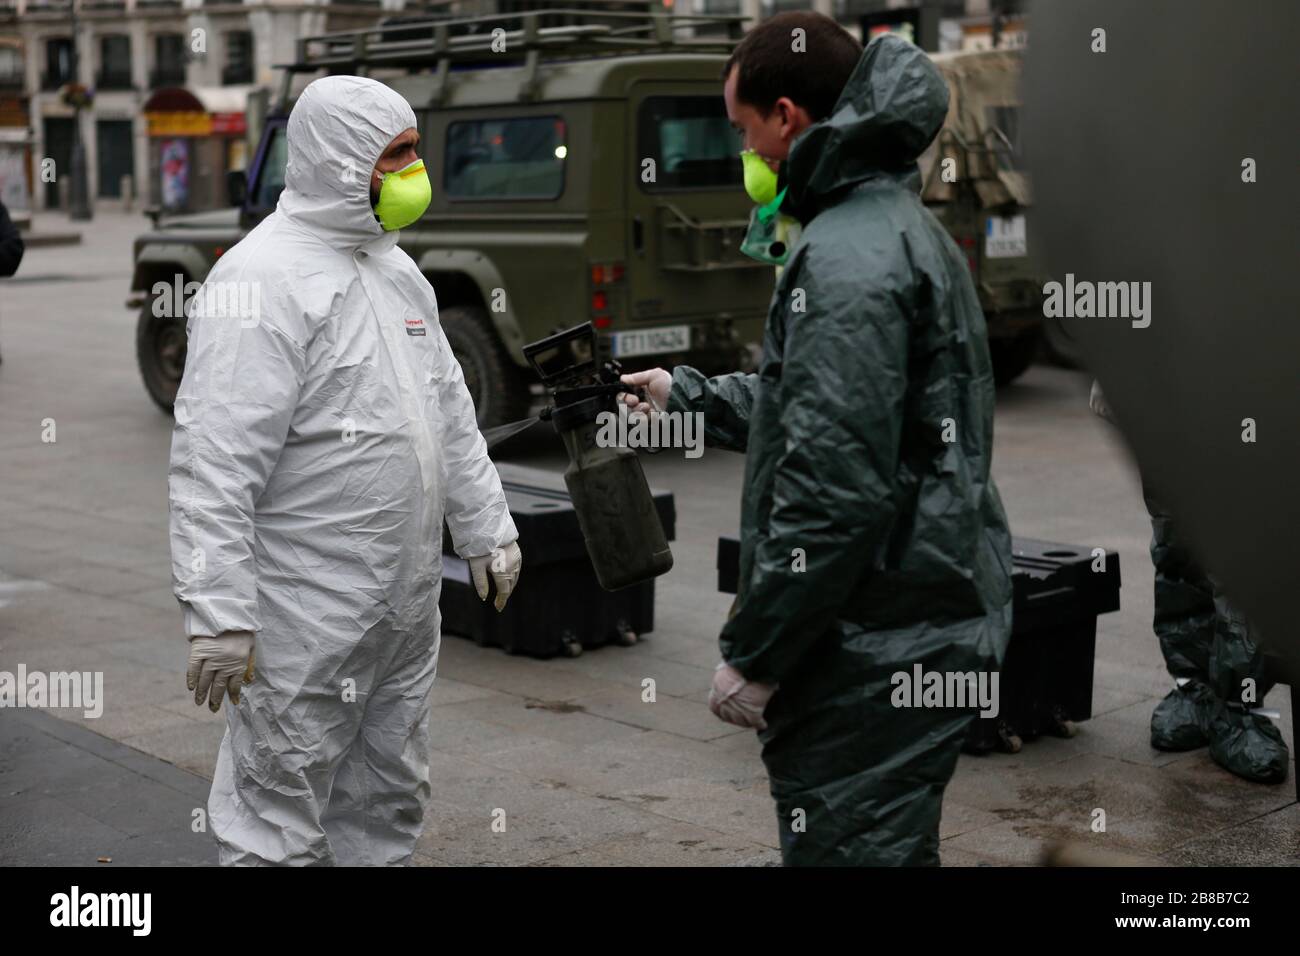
{"x": 975, "y": 183}
{"x": 588, "y": 171}
{"x": 581, "y": 172}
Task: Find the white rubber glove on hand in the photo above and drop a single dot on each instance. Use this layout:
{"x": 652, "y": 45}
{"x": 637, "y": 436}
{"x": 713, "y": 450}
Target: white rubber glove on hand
{"x": 658, "y": 384}
{"x": 219, "y": 666}
{"x": 738, "y": 701}
{"x": 504, "y": 563}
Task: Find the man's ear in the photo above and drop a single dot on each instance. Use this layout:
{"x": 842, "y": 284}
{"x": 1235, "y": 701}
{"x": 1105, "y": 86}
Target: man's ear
{"x": 790, "y": 117}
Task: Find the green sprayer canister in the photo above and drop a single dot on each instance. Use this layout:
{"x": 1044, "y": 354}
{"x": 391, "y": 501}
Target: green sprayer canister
{"x": 616, "y": 512}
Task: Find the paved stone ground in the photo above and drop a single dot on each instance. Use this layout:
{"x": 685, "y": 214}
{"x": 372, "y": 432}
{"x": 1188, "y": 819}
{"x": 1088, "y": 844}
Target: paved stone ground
{"x": 587, "y": 773}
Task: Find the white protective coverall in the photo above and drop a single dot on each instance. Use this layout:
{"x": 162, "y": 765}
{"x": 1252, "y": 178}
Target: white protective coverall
{"x": 318, "y": 445}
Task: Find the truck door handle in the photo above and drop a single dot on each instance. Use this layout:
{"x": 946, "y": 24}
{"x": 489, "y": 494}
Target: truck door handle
{"x": 638, "y": 234}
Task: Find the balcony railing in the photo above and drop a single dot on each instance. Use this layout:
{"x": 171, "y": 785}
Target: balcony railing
{"x": 236, "y": 74}
{"x": 50, "y": 82}
{"x": 113, "y": 80}
{"x": 162, "y": 76}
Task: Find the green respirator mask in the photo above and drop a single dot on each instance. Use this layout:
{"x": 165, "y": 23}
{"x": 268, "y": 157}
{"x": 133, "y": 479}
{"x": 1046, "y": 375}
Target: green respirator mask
{"x": 765, "y": 239}
{"x": 403, "y": 197}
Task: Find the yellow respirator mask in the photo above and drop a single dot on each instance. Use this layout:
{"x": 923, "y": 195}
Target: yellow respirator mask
{"x": 760, "y": 181}
{"x": 403, "y": 197}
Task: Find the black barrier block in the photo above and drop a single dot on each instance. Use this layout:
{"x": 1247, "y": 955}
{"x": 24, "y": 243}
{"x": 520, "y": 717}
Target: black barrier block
{"x": 1045, "y": 685}
{"x": 558, "y": 607}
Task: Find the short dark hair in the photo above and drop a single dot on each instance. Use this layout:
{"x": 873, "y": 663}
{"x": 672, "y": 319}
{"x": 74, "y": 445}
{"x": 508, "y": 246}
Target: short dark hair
{"x": 767, "y": 68}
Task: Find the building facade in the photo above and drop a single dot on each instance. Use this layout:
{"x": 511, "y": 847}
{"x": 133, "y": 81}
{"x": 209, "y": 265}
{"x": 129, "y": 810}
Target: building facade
{"x": 129, "y": 53}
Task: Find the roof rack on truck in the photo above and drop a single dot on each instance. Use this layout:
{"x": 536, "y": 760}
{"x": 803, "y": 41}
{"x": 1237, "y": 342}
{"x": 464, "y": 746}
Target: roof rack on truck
{"x": 518, "y": 38}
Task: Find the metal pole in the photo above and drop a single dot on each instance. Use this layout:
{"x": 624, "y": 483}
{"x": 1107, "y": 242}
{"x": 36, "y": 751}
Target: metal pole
{"x": 78, "y": 191}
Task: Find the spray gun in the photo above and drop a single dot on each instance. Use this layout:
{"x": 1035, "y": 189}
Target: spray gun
{"x": 568, "y": 366}
{"x": 616, "y": 512}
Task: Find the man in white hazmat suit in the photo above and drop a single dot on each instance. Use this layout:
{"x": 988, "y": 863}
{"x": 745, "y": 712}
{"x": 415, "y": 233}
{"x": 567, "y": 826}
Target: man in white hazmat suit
{"x": 323, "y": 431}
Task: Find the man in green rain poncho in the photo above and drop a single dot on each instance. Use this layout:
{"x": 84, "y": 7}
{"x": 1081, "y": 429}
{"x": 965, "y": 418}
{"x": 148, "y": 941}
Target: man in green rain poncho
{"x": 872, "y": 536}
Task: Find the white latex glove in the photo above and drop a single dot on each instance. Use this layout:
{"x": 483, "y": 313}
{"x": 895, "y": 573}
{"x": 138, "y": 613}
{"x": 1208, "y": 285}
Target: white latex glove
{"x": 658, "y": 383}
{"x": 220, "y": 665}
{"x": 738, "y": 701}
{"x": 504, "y": 564}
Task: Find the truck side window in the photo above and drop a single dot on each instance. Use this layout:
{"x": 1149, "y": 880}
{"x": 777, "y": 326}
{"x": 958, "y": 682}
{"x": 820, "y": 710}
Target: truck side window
{"x": 270, "y": 178}
{"x": 691, "y": 141}
{"x": 516, "y": 158}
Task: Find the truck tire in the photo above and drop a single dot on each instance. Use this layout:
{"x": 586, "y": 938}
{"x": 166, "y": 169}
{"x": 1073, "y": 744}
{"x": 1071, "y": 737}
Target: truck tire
{"x": 160, "y": 350}
{"x": 1013, "y": 356}
{"x": 496, "y": 385}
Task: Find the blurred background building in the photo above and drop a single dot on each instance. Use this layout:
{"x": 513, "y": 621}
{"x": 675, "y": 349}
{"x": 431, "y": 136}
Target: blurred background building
{"x": 159, "y": 90}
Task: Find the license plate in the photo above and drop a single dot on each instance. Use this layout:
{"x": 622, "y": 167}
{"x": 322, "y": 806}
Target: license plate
{"x": 1004, "y": 237}
{"x": 669, "y": 338}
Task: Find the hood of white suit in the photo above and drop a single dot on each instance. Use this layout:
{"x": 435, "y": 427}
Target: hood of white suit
{"x": 338, "y": 129}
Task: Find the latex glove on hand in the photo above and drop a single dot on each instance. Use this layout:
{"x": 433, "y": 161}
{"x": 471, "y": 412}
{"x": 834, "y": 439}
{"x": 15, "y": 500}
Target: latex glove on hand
{"x": 504, "y": 563}
{"x": 220, "y": 666}
{"x": 658, "y": 383}
{"x": 739, "y": 701}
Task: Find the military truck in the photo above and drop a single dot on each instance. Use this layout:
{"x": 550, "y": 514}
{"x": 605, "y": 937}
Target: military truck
{"x": 580, "y": 172}
{"x": 588, "y": 171}
{"x": 983, "y": 198}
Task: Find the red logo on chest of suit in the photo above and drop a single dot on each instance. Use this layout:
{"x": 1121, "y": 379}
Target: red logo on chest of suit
{"x": 415, "y": 327}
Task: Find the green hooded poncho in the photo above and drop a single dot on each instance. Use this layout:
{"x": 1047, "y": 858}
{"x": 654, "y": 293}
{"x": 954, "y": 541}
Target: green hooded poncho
{"x": 872, "y": 536}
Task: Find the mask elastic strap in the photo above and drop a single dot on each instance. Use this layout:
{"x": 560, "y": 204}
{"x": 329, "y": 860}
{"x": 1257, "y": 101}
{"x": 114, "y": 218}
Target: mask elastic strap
{"x": 765, "y": 213}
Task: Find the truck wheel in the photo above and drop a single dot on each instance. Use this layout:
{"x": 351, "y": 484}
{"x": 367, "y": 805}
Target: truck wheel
{"x": 497, "y": 387}
{"x": 1013, "y": 356}
{"x": 160, "y": 349}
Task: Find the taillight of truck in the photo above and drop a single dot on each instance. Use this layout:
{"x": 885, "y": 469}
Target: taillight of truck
{"x": 603, "y": 275}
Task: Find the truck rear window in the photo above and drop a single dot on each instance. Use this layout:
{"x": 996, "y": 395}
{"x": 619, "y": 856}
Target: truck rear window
{"x": 515, "y": 158}
{"x": 691, "y": 142}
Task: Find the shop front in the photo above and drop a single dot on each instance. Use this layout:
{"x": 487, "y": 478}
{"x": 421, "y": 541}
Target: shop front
{"x": 16, "y": 158}
{"x": 195, "y": 139}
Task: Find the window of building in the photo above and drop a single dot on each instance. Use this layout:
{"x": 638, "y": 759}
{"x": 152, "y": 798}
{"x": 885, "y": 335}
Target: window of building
{"x": 168, "y": 60}
{"x": 58, "y": 63}
{"x": 239, "y": 58}
{"x": 114, "y": 62}
{"x": 11, "y": 67}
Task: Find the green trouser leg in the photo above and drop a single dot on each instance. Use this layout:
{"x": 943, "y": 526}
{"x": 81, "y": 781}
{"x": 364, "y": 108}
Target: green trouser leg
{"x": 1205, "y": 638}
{"x": 878, "y": 801}
{"x": 858, "y": 781}
{"x": 1202, "y": 636}
{"x": 1184, "y": 601}
{"x": 1237, "y": 671}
